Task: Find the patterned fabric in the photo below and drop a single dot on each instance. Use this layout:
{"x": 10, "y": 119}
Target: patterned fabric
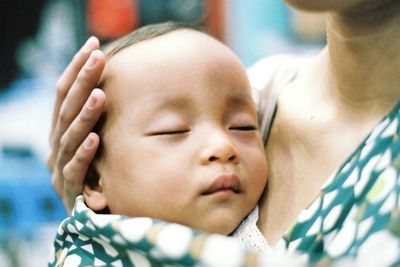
{"x": 90, "y": 239}
{"x": 357, "y": 214}
{"x": 354, "y": 221}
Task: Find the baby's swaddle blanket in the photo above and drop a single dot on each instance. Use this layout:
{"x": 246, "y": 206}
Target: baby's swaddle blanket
{"x": 89, "y": 239}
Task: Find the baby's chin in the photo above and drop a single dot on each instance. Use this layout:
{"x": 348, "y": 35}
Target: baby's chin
{"x": 223, "y": 229}
{"x": 222, "y": 220}
{"x": 223, "y": 224}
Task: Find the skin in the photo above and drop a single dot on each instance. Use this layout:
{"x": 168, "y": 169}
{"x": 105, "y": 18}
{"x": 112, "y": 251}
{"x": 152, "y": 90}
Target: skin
{"x": 337, "y": 6}
{"x": 355, "y": 86}
{"x": 168, "y": 140}
{"x": 74, "y": 115}
{"x": 322, "y": 118}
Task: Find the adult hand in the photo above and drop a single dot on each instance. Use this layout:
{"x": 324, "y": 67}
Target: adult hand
{"x": 77, "y": 108}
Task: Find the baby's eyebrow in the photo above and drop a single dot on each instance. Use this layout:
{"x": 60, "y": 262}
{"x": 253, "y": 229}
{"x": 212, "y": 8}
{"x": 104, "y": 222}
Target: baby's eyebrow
{"x": 241, "y": 100}
{"x": 186, "y": 104}
{"x": 170, "y": 102}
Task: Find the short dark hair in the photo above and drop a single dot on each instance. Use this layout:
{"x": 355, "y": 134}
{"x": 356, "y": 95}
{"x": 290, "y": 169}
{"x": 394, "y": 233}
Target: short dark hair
{"x": 141, "y": 34}
{"x": 145, "y": 33}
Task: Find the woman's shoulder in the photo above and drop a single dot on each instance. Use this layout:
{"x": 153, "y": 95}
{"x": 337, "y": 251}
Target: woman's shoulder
{"x": 267, "y": 76}
{"x": 275, "y": 70}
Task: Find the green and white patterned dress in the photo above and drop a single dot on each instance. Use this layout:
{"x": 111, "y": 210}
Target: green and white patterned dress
{"x": 357, "y": 214}
{"x": 355, "y": 221}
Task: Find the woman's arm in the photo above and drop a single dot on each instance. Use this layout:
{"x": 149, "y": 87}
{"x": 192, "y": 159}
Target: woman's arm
{"x": 77, "y": 108}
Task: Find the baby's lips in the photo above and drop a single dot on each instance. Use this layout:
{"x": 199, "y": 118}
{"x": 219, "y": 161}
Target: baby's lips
{"x": 222, "y": 183}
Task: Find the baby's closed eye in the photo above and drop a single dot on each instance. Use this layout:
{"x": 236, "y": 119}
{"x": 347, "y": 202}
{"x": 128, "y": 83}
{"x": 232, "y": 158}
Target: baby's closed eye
{"x": 250, "y": 127}
{"x": 171, "y": 131}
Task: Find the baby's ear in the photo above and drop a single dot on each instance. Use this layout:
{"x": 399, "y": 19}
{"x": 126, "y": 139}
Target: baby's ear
{"x": 93, "y": 192}
{"x": 94, "y": 197}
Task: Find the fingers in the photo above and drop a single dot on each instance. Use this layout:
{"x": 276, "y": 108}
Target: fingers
{"x": 81, "y": 127}
{"x": 73, "y": 120}
{"x": 72, "y": 158}
{"x": 86, "y": 80}
{"x": 75, "y": 170}
{"x": 67, "y": 145}
{"x": 68, "y": 77}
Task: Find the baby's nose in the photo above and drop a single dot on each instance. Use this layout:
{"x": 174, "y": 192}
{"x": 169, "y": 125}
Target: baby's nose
{"x": 219, "y": 148}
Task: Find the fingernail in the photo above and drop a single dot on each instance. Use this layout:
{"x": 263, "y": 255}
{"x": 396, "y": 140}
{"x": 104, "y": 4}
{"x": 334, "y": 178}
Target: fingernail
{"x": 91, "y": 61}
{"x": 88, "y": 44}
{"x": 88, "y": 142}
{"x": 91, "y": 102}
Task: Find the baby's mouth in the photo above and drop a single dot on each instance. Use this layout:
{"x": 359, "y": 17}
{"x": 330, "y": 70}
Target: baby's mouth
{"x": 224, "y": 183}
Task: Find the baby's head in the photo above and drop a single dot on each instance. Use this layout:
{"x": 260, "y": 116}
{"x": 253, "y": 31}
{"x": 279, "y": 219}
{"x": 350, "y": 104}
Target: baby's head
{"x": 180, "y": 139}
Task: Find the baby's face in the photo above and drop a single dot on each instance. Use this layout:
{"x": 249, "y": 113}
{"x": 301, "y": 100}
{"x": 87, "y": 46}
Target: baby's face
{"x": 181, "y": 140}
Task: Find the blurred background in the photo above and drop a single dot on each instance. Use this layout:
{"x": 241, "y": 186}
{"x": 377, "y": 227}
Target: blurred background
{"x": 38, "y": 39}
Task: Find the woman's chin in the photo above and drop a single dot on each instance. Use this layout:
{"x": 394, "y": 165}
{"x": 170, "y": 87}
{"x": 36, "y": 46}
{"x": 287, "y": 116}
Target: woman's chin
{"x": 323, "y": 5}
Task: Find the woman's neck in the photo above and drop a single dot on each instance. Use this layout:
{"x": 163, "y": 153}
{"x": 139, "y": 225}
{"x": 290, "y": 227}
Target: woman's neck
{"x": 343, "y": 92}
{"x": 363, "y": 57}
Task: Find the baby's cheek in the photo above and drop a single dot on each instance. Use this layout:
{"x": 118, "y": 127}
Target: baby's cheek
{"x": 261, "y": 174}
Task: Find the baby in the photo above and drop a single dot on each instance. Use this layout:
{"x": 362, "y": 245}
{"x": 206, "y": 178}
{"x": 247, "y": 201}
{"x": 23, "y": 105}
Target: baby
{"x": 180, "y": 138}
